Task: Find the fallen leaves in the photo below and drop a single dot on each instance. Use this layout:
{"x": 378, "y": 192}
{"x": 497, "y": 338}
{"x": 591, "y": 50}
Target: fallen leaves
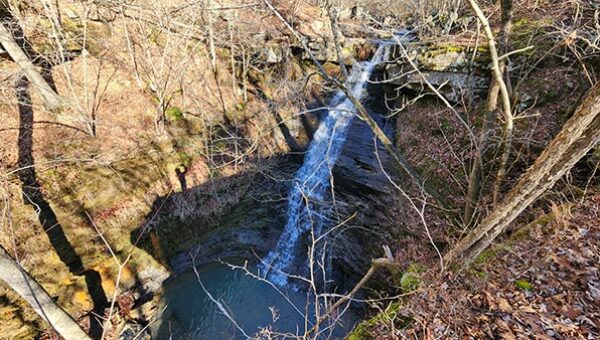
{"x": 542, "y": 286}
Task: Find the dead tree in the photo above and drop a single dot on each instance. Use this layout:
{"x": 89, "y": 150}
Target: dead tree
{"x": 577, "y": 137}
{"x": 51, "y": 99}
{"x": 23, "y": 284}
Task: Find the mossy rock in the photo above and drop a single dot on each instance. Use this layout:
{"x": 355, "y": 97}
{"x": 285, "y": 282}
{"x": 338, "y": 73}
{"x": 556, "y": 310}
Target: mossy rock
{"x": 363, "y": 331}
{"x": 73, "y": 32}
{"x": 452, "y": 48}
{"x": 526, "y": 32}
{"x": 440, "y": 59}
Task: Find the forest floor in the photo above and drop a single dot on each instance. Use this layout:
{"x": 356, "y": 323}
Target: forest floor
{"x": 542, "y": 281}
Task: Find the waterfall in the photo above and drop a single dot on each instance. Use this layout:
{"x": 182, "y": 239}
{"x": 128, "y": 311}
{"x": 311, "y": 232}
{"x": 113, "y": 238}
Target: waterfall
{"x": 311, "y": 185}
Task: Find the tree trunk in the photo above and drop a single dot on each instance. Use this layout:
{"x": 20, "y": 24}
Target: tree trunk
{"x": 577, "y": 137}
{"x": 474, "y": 190}
{"x": 51, "y": 98}
{"x": 22, "y": 283}
{"x": 475, "y": 184}
{"x": 497, "y": 71}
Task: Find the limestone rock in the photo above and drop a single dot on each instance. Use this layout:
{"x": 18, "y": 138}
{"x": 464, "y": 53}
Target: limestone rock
{"x": 447, "y": 68}
{"x": 152, "y": 278}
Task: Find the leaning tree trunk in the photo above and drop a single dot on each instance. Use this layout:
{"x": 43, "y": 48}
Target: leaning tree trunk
{"x": 24, "y": 285}
{"x": 51, "y": 98}
{"x": 576, "y": 138}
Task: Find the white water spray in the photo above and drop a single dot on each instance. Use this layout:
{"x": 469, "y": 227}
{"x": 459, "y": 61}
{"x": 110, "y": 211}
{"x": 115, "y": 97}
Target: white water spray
{"x": 311, "y": 184}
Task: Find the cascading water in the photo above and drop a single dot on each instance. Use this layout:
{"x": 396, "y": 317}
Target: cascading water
{"x": 311, "y": 185}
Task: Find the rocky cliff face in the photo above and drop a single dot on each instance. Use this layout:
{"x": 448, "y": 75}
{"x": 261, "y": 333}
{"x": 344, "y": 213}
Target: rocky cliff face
{"x": 447, "y": 68}
{"x": 191, "y": 227}
{"x": 457, "y": 72}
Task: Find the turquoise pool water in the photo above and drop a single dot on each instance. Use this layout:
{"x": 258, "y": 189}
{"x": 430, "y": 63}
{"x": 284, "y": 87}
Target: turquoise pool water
{"x": 254, "y": 305}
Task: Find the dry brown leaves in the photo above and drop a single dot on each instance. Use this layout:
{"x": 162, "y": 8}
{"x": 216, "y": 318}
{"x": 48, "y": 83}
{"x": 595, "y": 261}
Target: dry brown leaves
{"x": 543, "y": 282}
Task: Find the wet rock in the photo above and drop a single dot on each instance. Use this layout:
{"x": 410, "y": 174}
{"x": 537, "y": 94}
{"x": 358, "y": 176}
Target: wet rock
{"x": 358, "y": 168}
{"x": 452, "y": 85}
{"x": 225, "y": 218}
{"x": 451, "y": 69}
{"x": 351, "y": 49}
{"x": 323, "y": 50}
{"x": 251, "y": 227}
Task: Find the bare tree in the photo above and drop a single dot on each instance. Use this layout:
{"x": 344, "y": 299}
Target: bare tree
{"x": 497, "y": 70}
{"x": 579, "y": 135}
{"x": 499, "y": 67}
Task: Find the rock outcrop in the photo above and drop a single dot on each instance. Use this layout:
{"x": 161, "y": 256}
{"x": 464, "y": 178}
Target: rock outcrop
{"x": 456, "y": 72}
{"x": 249, "y": 224}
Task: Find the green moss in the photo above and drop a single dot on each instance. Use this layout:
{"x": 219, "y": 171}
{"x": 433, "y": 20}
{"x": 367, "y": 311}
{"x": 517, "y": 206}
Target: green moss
{"x": 364, "y": 329}
{"x": 521, "y": 233}
{"x": 524, "y": 285}
{"x": 445, "y": 57}
{"x": 361, "y": 332}
{"x": 480, "y": 274}
{"x": 525, "y": 31}
{"x": 184, "y": 159}
{"x": 410, "y": 281}
{"x": 68, "y": 199}
{"x": 347, "y": 51}
{"x": 240, "y": 106}
{"x": 173, "y": 113}
{"x": 452, "y": 48}
{"x": 416, "y": 268}
{"x": 485, "y": 256}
